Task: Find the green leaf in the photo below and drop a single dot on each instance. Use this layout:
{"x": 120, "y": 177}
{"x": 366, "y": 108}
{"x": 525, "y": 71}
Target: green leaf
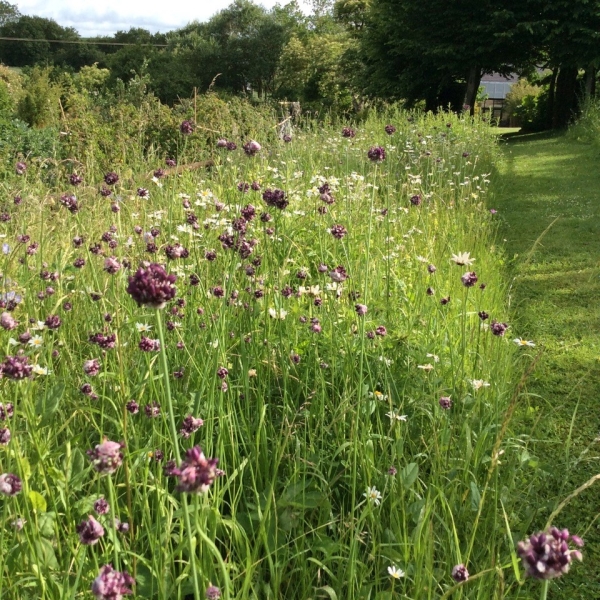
{"x": 475, "y": 496}
{"x": 45, "y": 553}
{"x": 409, "y": 475}
{"x": 47, "y": 405}
{"x": 45, "y": 524}
{"x": 37, "y": 501}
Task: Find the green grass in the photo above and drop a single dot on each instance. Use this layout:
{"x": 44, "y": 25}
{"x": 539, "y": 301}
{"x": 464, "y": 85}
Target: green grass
{"x": 547, "y": 191}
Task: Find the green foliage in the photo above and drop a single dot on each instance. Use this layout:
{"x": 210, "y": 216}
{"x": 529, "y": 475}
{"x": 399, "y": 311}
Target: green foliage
{"x": 587, "y": 127}
{"x": 39, "y": 105}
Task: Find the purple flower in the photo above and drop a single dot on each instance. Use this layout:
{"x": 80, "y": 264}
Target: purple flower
{"x": 483, "y": 315}
{"x": 275, "y": 198}
{"x": 111, "y": 584}
{"x": 338, "y": 231}
{"x": 90, "y": 531}
{"x": 111, "y": 265}
{"x": 390, "y": 129}
{"x": 176, "y": 251}
{"x": 7, "y": 321}
{"x": 20, "y": 168}
{"x": 105, "y": 192}
{"x": 415, "y": 200}
{"x": 361, "y": 309}
{"x": 152, "y": 410}
{"x": 431, "y": 269}
{"x": 132, "y": 407}
{"x": 106, "y": 457}
{"x": 498, "y": 328}
{"x": 75, "y": 179}
{"x": 186, "y": 127}
{"x": 222, "y": 143}
{"x": 252, "y": 148}
{"x": 101, "y": 506}
{"x": 152, "y": 286}
{"x": 381, "y": 331}
{"x": 190, "y": 425}
{"x": 348, "y": 132}
{"x": 111, "y": 178}
{"x": 91, "y": 367}
{"x": 213, "y": 592}
{"x": 170, "y": 162}
{"x": 231, "y": 146}
{"x": 469, "y": 279}
{"x": 10, "y": 485}
{"x": 460, "y": 573}
{"x": 6, "y": 411}
{"x": 287, "y": 138}
{"x": 4, "y": 436}
{"x": 338, "y": 274}
{"x": 546, "y": 555}
{"x": 16, "y": 367}
{"x": 392, "y": 471}
{"x": 143, "y": 193}
{"x": 222, "y": 372}
{"x": 196, "y": 473}
{"x": 159, "y": 173}
{"x": 376, "y": 154}
{"x": 446, "y": 402}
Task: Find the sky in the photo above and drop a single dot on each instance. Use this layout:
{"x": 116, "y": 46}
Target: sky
{"x": 105, "y": 17}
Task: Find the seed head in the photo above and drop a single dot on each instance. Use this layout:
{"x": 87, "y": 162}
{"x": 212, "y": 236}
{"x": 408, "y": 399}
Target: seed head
{"x": 152, "y": 286}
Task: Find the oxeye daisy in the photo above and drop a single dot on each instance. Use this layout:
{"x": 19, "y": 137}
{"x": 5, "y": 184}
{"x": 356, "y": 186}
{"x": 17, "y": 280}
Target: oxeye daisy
{"x": 462, "y": 259}
{"x": 395, "y": 572}
{"x": 36, "y": 341}
{"x": 373, "y": 495}
{"x": 521, "y": 342}
{"x": 143, "y": 327}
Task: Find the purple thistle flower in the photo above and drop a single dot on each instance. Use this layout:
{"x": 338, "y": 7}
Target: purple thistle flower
{"x": 152, "y": 409}
{"x": 20, "y": 168}
{"x": 101, "y": 506}
{"x": 431, "y": 269}
{"x": 75, "y": 179}
{"x": 170, "y": 162}
{"x": 132, "y": 407}
{"x": 159, "y": 173}
{"x": 275, "y": 198}
{"x": 111, "y": 178}
{"x": 16, "y": 367}
{"x": 469, "y": 279}
{"x": 348, "y": 132}
{"x": 105, "y": 192}
{"x": 483, "y": 315}
{"x": 107, "y": 456}
{"x": 338, "y": 274}
{"x": 222, "y": 372}
{"x": 152, "y": 286}
{"x": 361, "y": 309}
{"x": 70, "y": 202}
{"x": 189, "y": 425}
{"x": 7, "y": 321}
{"x": 111, "y": 265}
{"x": 90, "y": 531}
{"x": 248, "y": 212}
{"x": 243, "y": 187}
{"x": 91, "y": 367}
{"x": 338, "y": 231}
{"x": 231, "y": 146}
{"x": 252, "y": 148}
{"x": 390, "y": 129}
{"x": 176, "y": 251}
{"x": 143, "y": 193}
{"x": 376, "y": 154}
{"x": 546, "y": 555}
{"x": 460, "y": 573}
{"x": 10, "y": 485}
{"x": 415, "y": 200}
{"x": 186, "y": 127}
{"x": 498, "y": 328}
{"x": 381, "y": 331}
{"x": 445, "y": 301}
{"x": 196, "y": 473}
{"x": 4, "y": 436}
{"x": 213, "y": 592}
{"x": 6, "y": 411}
{"x": 111, "y": 584}
{"x": 222, "y": 143}
{"x": 446, "y": 402}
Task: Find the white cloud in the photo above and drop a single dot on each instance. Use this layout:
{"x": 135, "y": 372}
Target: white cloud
{"x": 105, "y": 17}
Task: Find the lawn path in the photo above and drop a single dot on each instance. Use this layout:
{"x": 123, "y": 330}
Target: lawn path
{"x": 555, "y": 301}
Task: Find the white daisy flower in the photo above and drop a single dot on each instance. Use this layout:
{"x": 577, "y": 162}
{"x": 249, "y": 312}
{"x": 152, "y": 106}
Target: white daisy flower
{"x": 36, "y": 341}
{"x": 143, "y": 327}
{"x": 463, "y": 259}
{"x": 394, "y": 416}
{"x": 479, "y": 383}
{"x": 521, "y": 342}
{"x": 373, "y": 495}
{"x": 395, "y": 572}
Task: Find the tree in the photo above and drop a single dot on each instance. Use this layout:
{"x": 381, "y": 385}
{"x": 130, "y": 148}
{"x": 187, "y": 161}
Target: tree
{"x": 8, "y": 13}
{"x": 436, "y": 51}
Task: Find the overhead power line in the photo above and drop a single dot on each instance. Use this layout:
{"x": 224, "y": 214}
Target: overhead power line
{"x": 86, "y": 41}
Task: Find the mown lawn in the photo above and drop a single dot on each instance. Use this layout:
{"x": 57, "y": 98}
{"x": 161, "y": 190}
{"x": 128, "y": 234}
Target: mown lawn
{"x": 548, "y": 195}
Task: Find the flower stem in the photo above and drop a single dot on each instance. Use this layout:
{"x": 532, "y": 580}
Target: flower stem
{"x": 545, "y": 586}
{"x": 175, "y": 442}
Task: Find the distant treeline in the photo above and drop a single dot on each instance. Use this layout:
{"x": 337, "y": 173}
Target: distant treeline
{"x": 345, "y": 53}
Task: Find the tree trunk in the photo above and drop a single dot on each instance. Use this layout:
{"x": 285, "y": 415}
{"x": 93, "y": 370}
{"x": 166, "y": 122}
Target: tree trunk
{"x": 551, "y": 96}
{"x": 565, "y": 101}
{"x": 473, "y": 82}
{"x": 590, "y": 82}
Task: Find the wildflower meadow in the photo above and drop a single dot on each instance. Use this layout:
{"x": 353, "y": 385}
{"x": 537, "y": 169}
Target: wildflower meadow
{"x": 287, "y": 372}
